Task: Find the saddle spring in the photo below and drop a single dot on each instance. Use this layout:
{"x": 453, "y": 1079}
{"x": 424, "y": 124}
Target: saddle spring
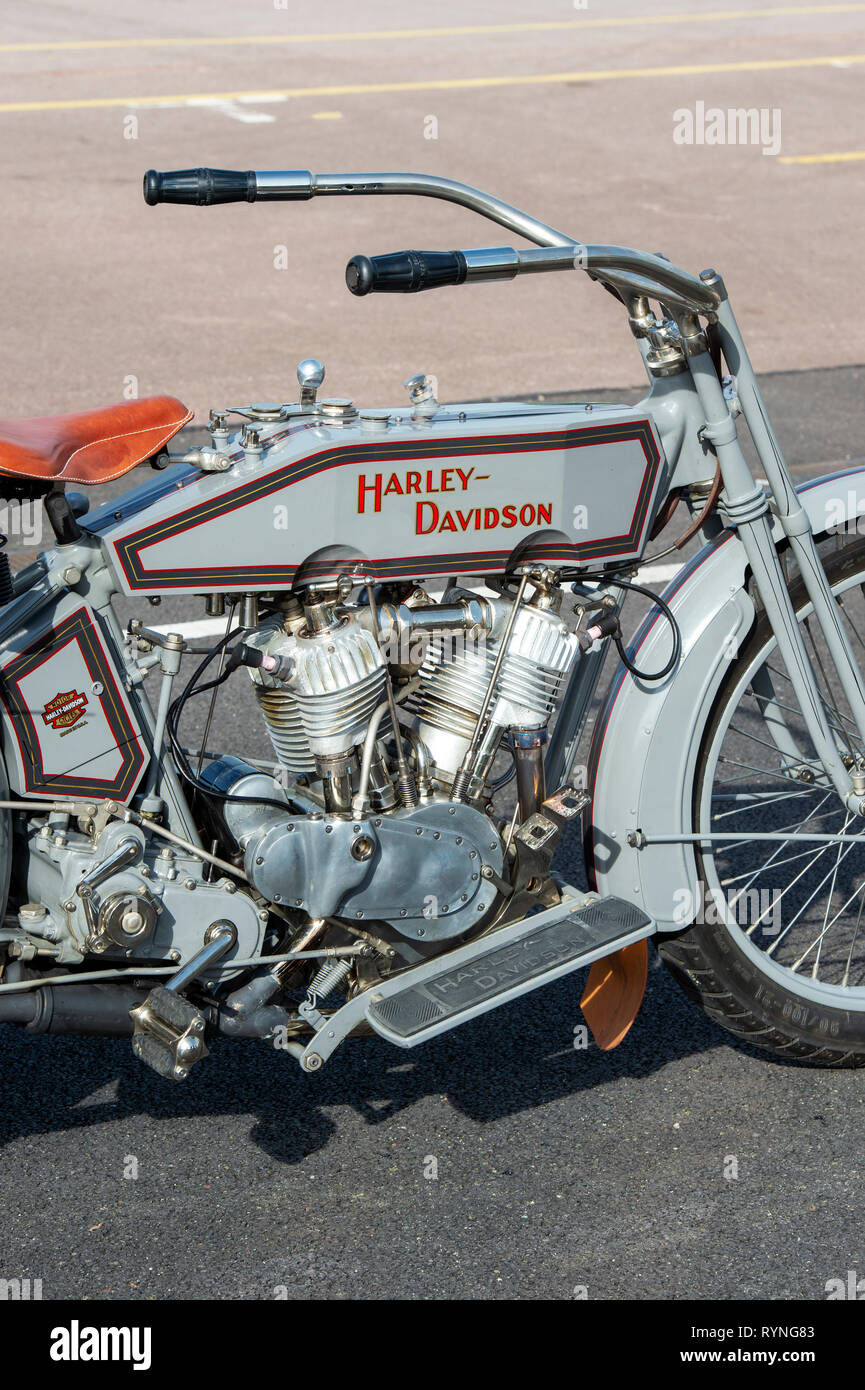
{"x": 6, "y": 587}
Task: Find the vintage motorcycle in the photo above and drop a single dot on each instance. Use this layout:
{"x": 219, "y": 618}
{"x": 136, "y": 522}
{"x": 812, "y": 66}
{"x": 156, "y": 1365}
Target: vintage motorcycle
{"x": 420, "y": 600}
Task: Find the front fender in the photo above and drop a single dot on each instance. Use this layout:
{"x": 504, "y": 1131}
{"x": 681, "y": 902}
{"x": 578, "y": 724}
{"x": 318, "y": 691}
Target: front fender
{"x": 644, "y": 749}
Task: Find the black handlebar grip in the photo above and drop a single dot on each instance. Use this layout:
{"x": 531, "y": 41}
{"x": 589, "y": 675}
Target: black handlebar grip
{"x": 200, "y": 187}
{"x": 405, "y": 272}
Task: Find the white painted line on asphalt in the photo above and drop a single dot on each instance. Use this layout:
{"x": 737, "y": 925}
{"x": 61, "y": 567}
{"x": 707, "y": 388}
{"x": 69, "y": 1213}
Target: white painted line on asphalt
{"x": 235, "y": 112}
{"x": 203, "y": 627}
{"x": 657, "y": 574}
{"x": 239, "y": 108}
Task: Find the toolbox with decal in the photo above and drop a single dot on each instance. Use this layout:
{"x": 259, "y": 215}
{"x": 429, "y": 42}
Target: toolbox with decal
{"x": 68, "y": 728}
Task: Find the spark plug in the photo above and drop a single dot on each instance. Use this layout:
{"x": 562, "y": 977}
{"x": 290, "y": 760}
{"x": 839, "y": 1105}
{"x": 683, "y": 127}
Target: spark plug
{"x": 280, "y": 667}
{"x": 607, "y": 626}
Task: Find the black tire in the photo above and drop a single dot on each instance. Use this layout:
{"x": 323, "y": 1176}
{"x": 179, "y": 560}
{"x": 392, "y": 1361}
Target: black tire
{"x": 709, "y": 963}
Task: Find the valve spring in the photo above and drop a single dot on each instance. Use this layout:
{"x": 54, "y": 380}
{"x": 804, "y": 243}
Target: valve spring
{"x": 459, "y": 785}
{"x": 407, "y": 789}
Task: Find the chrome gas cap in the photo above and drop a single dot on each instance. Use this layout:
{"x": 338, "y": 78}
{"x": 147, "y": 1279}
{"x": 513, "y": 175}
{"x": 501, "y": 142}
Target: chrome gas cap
{"x": 338, "y": 408}
{"x": 375, "y": 420}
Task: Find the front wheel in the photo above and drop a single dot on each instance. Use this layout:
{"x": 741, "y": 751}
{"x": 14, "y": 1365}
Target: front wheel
{"x": 775, "y": 951}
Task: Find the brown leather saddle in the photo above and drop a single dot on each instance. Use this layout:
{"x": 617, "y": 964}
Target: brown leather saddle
{"x": 92, "y": 447}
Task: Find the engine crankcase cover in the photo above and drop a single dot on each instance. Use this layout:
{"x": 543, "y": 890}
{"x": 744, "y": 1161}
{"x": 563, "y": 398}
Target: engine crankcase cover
{"x": 419, "y": 868}
{"x": 176, "y": 910}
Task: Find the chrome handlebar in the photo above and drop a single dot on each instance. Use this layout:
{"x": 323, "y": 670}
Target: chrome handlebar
{"x": 631, "y": 273}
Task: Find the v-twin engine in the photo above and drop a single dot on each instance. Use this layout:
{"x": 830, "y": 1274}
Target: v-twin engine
{"x": 405, "y": 837}
{"x": 445, "y": 654}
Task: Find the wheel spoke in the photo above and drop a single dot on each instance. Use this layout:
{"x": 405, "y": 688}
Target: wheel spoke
{"x": 815, "y": 945}
{"x": 845, "y": 980}
{"x": 763, "y": 771}
{"x": 796, "y": 964}
{"x": 771, "y": 800}
{"x": 771, "y": 863}
{"x": 808, "y": 901}
{"x": 819, "y": 940}
{"x": 792, "y": 709}
{"x": 827, "y": 704}
{"x": 805, "y": 762}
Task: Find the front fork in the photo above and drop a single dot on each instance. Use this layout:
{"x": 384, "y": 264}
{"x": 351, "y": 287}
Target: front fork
{"x": 747, "y": 507}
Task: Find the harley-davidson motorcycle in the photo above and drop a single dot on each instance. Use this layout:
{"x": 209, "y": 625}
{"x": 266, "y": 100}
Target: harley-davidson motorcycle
{"x": 418, "y": 603}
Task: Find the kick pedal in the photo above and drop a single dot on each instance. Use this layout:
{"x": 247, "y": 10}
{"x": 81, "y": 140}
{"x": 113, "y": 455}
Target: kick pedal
{"x": 169, "y": 1034}
{"x": 440, "y": 994}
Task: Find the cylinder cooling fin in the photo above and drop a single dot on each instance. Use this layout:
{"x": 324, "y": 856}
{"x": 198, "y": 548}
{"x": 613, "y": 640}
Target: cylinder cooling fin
{"x": 453, "y": 681}
{"x": 285, "y": 728}
{"x": 324, "y": 708}
{"x": 335, "y": 720}
{"x": 318, "y": 715}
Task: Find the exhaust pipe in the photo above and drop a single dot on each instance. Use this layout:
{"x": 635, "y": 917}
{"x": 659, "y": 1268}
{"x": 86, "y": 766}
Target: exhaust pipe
{"x": 103, "y": 1010}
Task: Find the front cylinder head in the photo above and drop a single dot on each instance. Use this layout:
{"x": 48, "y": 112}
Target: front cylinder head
{"x": 338, "y": 679}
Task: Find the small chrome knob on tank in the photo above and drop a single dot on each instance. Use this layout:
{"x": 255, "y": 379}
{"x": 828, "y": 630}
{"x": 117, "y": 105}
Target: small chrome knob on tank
{"x": 219, "y": 431}
{"x": 422, "y": 393}
{"x": 310, "y": 375}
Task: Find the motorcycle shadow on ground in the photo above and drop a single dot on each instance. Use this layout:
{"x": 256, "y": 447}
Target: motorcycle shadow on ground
{"x": 512, "y": 1060}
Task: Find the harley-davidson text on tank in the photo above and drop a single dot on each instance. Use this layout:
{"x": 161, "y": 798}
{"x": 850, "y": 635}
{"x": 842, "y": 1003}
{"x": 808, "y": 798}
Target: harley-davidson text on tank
{"x": 439, "y": 515}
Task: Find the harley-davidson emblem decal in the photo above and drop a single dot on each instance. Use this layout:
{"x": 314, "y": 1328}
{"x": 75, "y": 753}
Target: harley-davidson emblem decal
{"x": 65, "y": 709}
